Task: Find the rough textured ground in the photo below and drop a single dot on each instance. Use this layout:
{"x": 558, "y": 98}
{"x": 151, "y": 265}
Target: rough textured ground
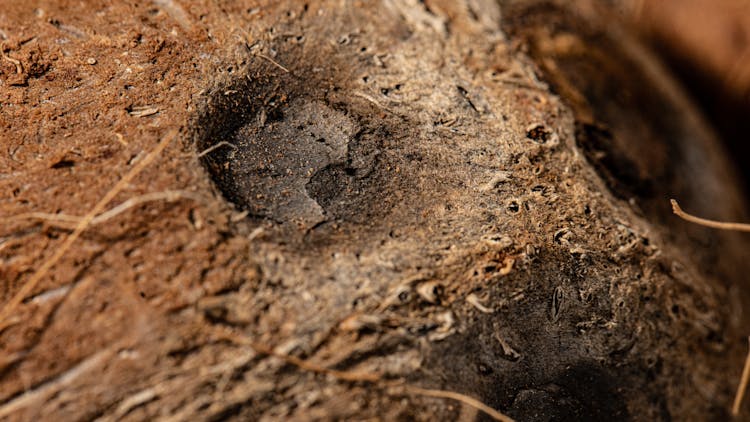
{"x": 471, "y": 196}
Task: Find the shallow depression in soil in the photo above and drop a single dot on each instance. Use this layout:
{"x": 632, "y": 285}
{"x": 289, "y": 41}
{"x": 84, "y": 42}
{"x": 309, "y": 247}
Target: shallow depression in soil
{"x": 296, "y": 159}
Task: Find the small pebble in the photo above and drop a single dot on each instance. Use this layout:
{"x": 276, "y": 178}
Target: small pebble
{"x": 91, "y": 61}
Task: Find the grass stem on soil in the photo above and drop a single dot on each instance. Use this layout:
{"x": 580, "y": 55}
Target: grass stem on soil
{"x": 10, "y": 306}
{"x": 742, "y": 227}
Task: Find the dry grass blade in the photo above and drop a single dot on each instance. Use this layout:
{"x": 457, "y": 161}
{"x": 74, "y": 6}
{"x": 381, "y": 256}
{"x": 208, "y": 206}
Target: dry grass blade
{"x": 708, "y": 223}
{"x": 11, "y": 305}
{"x": 374, "y": 377}
{"x": 743, "y": 385}
{"x": 48, "y": 216}
{"x": 214, "y": 147}
{"x": 274, "y": 62}
{"x": 723, "y": 226}
{"x": 469, "y": 401}
{"x": 169, "y": 196}
{"x": 311, "y": 367}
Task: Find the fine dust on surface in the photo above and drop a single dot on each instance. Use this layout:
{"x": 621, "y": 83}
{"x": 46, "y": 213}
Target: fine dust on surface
{"x": 397, "y": 187}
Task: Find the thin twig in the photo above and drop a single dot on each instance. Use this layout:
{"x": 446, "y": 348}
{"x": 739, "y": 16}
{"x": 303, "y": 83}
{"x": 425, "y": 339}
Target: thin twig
{"x": 375, "y": 377}
{"x": 11, "y": 305}
{"x": 374, "y": 101}
{"x": 723, "y": 226}
{"x": 169, "y": 196}
{"x": 48, "y": 216}
{"x": 372, "y": 377}
{"x": 470, "y": 401}
{"x": 743, "y": 385}
{"x": 274, "y": 62}
{"x": 213, "y": 147}
{"x": 311, "y": 367}
{"x": 742, "y": 227}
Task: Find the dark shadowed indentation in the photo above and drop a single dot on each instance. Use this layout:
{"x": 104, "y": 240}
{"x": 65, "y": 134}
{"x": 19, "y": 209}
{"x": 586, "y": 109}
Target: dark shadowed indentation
{"x": 296, "y": 148}
{"x": 534, "y": 361}
{"x": 583, "y": 392}
{"x": 626, "y": 125}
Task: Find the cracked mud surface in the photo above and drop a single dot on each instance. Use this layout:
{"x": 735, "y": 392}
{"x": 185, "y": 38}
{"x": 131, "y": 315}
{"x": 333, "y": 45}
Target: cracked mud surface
{"x": 400, "y": 188}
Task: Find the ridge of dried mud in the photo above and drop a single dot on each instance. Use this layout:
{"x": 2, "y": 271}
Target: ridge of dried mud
{"x": 391, "y": 165}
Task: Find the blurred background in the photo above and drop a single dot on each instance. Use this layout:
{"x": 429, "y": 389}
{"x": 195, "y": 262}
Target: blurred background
{"x": 706, "y": 43}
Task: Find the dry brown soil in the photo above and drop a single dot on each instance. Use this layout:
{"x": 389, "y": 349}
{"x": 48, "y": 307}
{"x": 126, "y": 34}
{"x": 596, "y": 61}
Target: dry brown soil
{"x": 460, "y": 195}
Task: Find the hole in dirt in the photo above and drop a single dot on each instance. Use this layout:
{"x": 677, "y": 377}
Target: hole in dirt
{"x": 627, "y": 126}
{"x": 294, "y": 148}
{"x": 63, "y": 164}
{"x": 539, "y": 133}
